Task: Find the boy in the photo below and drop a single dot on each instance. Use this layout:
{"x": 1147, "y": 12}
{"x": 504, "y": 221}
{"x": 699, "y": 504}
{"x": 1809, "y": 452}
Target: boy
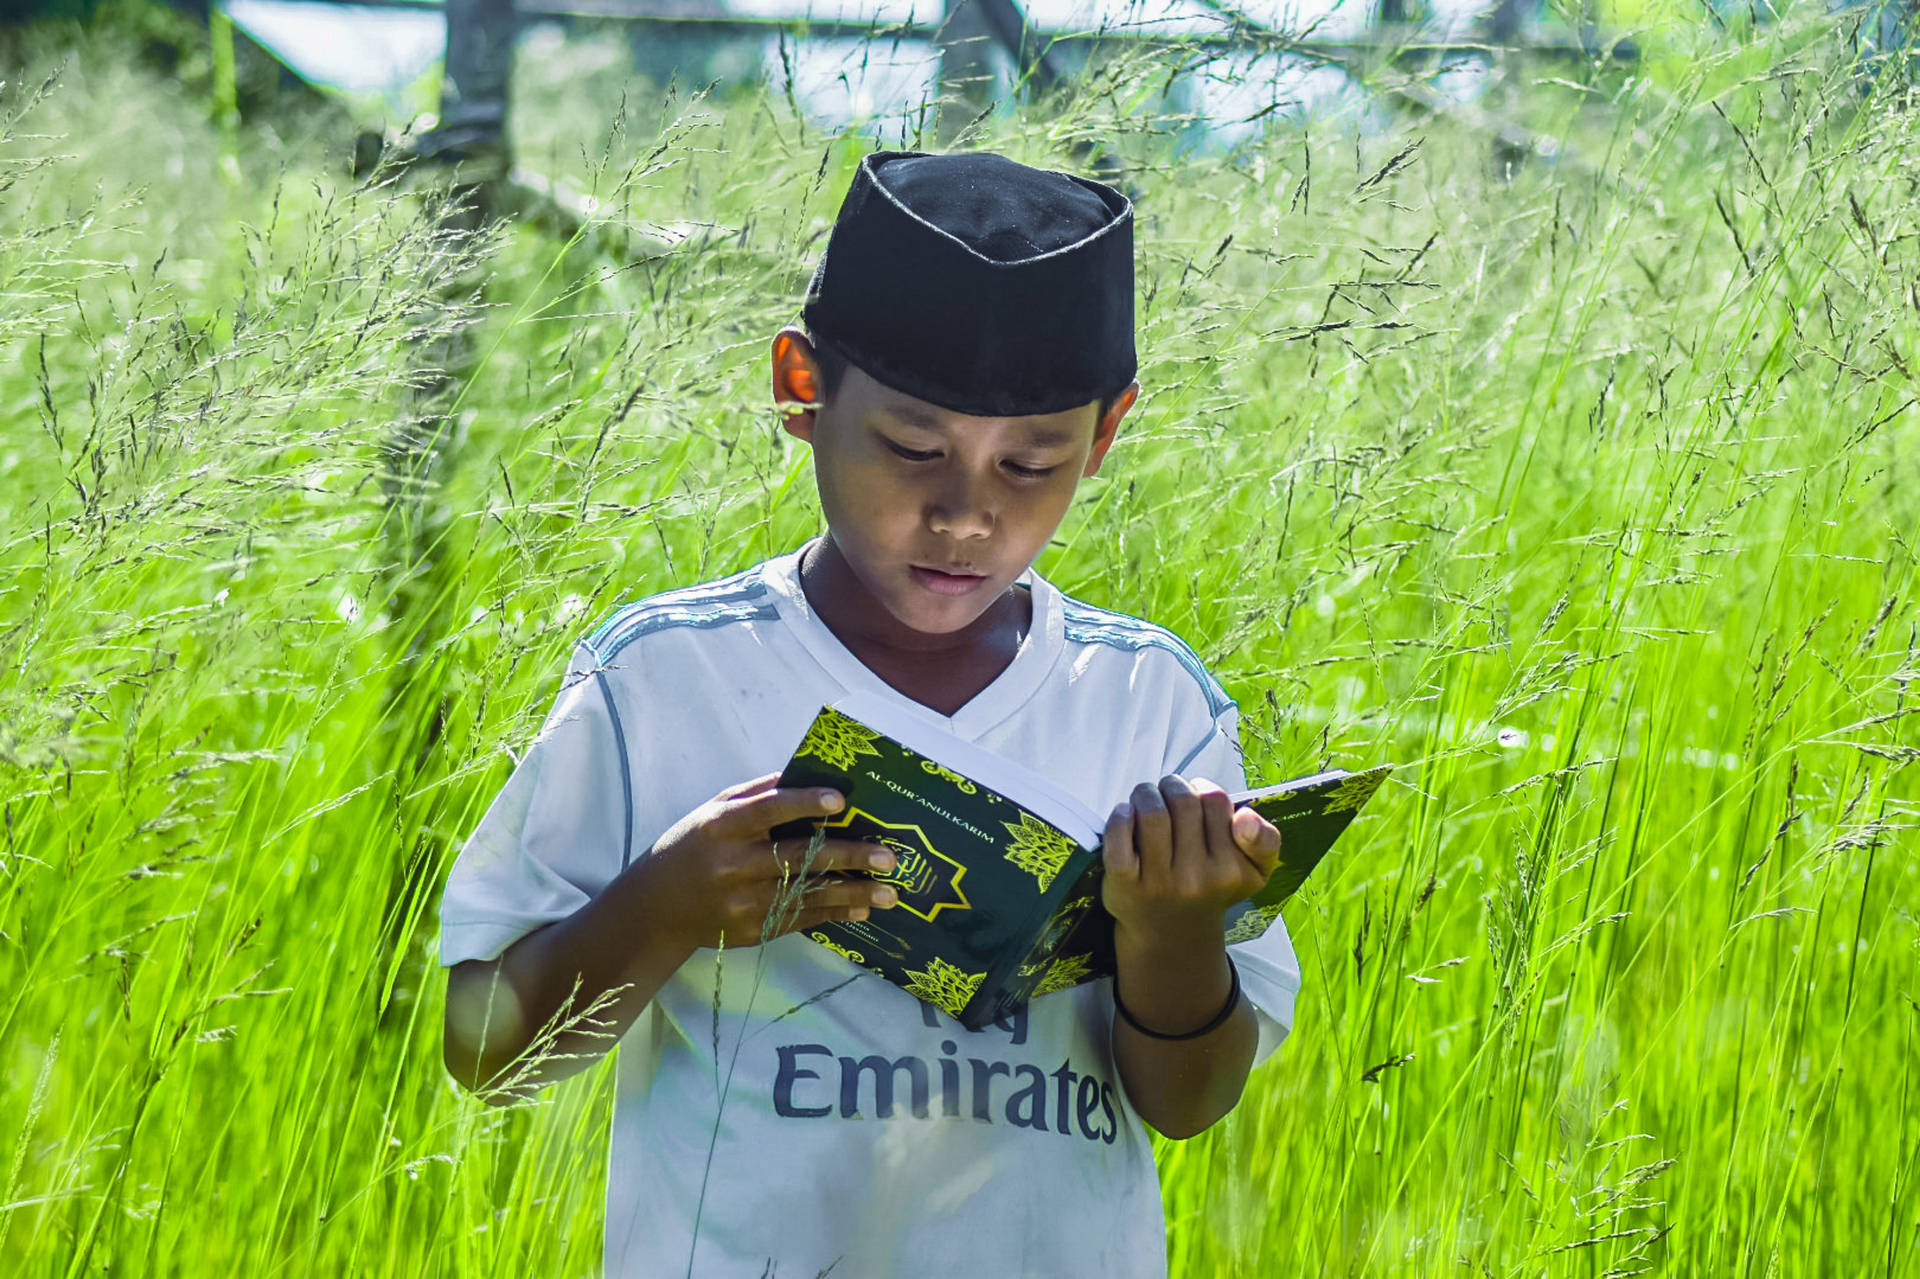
{"x": 968, "y": 358}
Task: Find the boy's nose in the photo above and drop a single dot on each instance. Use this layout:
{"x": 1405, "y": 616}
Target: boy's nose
{"x": 960, "y": 509}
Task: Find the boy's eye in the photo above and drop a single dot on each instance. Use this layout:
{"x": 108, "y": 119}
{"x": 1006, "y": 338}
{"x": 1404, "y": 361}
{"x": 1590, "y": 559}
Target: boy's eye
{"x": 928, "y": 455}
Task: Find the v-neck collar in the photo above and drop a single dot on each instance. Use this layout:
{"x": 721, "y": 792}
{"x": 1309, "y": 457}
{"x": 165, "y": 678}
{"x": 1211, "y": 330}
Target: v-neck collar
{"x": 1009, "y": 691}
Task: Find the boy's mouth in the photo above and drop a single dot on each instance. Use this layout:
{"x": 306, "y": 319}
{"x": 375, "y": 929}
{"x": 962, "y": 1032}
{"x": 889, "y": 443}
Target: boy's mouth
{"x": 943, "y": 583}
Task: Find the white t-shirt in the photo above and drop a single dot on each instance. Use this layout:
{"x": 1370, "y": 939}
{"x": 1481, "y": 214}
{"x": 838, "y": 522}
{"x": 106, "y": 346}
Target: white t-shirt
{"x": 858, "y": 1130}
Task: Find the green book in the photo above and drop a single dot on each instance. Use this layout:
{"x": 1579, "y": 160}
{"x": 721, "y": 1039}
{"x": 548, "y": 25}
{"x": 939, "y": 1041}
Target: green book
{"x": 998, "y": 870}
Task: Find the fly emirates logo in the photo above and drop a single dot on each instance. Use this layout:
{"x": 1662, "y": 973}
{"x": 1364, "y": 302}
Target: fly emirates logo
{"x": 815, "y": 1082}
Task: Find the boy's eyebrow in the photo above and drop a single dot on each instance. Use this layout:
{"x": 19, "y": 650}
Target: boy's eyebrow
{"x": 1044, "y": 437}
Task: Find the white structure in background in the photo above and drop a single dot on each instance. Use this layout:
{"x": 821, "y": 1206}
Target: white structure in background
{"x": 884, "y": 85}
{"x": 356, "y": 49}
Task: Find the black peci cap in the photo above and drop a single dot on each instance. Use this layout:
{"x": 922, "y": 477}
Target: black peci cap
{"x": 978, "y": 284}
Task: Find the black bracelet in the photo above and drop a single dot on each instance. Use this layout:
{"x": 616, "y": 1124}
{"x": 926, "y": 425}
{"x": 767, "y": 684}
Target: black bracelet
{"x": 1233, "y": 1002}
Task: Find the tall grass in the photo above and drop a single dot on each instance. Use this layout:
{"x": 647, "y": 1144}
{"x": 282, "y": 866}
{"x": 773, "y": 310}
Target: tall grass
{"x": 1592, "y": 495}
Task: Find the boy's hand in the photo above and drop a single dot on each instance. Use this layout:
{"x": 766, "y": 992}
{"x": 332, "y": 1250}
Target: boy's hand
{"x": 1177, "y": 856}
{"x": 721, "y": 873}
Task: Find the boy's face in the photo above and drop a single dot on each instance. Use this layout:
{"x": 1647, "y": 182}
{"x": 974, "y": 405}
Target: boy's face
{"x": 936, "y": 512}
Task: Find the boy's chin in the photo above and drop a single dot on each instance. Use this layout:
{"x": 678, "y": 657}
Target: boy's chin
{"x": 949, "y": 619}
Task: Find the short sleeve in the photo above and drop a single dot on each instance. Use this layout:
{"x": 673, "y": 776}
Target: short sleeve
{"x": 554, "y": 836}
{"x": 1269, "y": 971}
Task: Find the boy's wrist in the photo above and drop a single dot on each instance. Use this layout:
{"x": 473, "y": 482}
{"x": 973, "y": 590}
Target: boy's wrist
{"x": 1175, "y": 978}
{"x": 1219, "y": 1019}
{"x": 1173, "y": 939}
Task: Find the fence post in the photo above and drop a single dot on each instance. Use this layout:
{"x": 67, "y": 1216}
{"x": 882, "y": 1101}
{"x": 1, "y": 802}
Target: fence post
{"x": 966, "y": 67}
{"x": 1503, "y": 24}
{"x": 471, "y": 141}
{"x": 473, "y": 94}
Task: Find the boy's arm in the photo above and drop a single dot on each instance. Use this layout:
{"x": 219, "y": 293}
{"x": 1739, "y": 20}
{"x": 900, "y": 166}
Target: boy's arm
{"x": 616, "y": 951}
{"x": 1174, "y": 985}
{"x": 1177, "y": 856}
{"x": 561, "y": 996}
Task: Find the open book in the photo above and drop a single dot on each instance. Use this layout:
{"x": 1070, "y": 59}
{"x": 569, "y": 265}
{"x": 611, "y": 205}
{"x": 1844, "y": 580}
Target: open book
{"x": 997, "y": 869}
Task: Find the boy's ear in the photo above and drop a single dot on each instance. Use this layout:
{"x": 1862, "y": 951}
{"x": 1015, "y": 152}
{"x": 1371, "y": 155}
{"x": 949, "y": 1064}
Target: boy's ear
{"x": 796, "y": 381}
{"x": 1109, "y": 426}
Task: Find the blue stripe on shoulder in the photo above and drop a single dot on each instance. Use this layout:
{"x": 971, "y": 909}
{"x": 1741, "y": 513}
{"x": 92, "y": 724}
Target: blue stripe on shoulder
{"x": 739, "y": 598}
{"x": 1086, "y": 624}
{"x": 737, "y": 584}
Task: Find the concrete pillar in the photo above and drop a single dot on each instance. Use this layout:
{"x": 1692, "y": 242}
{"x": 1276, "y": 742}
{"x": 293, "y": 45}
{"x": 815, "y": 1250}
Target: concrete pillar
{"x": 967, "y": 73}
{"x": 479, "y": 70}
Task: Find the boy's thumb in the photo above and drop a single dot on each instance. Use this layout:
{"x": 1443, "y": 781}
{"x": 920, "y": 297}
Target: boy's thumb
{"x": 1254, "y": 835}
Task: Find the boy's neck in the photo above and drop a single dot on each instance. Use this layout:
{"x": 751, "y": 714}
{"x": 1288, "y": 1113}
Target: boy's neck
{"x": 941, "y": 671}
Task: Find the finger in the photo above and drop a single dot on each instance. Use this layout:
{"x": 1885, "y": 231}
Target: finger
{"x": 760, "y": 812}
{"x": 782, "y": 906}
{"x": 808, "y": 920}
{"x": 848, "y": 894}
{"x": 749, "y": 788}
{"x": 796, "y": 856}
{"x": 1152, "y": 831}
{"x": 1216, "y": 818}
{"x": 1189, "y": 852}
{"x": 1117, "y": 846}
{"x": 1258, "y": 839}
